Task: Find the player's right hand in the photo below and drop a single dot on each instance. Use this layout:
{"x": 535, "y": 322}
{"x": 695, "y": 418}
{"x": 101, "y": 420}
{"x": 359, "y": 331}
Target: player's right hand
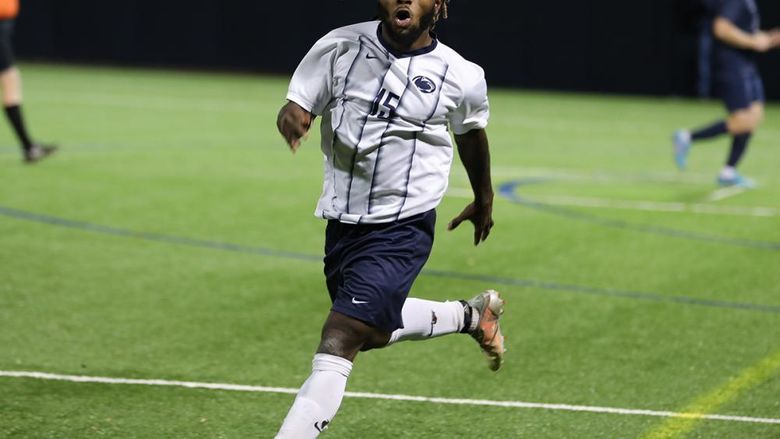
{"x": 774, "y": 36}
{"x": 293, "y": 123}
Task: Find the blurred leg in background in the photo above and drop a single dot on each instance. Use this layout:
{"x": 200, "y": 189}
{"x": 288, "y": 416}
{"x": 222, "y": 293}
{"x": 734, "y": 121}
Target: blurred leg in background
{"x": 11, "y": 85}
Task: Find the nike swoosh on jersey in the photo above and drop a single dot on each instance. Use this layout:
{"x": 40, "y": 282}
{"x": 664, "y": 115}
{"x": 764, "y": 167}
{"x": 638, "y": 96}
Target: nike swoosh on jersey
{"x": 358, "y": 302}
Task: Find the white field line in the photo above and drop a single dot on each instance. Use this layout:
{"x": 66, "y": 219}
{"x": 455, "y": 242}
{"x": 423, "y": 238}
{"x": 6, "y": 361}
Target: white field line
{"x": 157, "y": 102}
{"x": 726, "y": 192}
{"x": 601, "y": 176}
{"x": 433, "y": 400}
{"x": 606, "y": 177}
{"x": 652, "y": 206}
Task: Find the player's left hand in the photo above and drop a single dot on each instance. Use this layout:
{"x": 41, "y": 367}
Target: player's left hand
{"x": 481, "y": 215}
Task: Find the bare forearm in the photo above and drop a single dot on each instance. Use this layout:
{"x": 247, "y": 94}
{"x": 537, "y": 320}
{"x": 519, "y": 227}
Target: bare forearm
{"x": 475, "y": 155}
{"x": 732, "y": 35}
{"x": 474, "y": 152}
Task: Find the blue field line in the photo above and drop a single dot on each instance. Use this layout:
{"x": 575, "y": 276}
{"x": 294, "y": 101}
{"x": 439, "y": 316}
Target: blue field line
{"x": 490, "y": 279}
{"x": 609, "y": 292}
{"x": 509, "y": 191}
{"x": 158, "y": 237}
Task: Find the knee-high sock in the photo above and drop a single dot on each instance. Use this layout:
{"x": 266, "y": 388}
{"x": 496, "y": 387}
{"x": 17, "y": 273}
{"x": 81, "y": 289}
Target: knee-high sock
{"x": 14, "y": 115}
{"x": 426, "y": 319}
{"x": 318, "y": 400}
{"x": 739, "y": 145}
{"x": 714, "y": 130}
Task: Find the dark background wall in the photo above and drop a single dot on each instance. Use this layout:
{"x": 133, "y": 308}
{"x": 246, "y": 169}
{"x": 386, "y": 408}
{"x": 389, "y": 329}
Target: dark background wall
{"x": 614, "y": 46}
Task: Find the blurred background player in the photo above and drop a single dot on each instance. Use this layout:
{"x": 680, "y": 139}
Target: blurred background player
{"x": 11, "y": 85}
{"x": 704, "y": 39}
{"x": 736, "y": 28}
{"x": 388, "y": 93}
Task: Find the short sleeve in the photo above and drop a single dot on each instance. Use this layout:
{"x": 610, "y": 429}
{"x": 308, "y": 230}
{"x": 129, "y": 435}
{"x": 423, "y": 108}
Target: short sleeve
{"x": 474, "y": 111}
{"x": 730, "y": 10}
{"x": 311, "y": 86}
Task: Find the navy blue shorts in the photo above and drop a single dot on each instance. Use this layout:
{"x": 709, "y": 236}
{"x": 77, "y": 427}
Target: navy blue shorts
{"x": 370, "y": 268}
{"x": 739, "y": 92}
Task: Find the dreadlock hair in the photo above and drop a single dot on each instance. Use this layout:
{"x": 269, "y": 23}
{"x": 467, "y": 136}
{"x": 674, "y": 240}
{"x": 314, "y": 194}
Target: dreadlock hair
{"x": 442, "y": 12}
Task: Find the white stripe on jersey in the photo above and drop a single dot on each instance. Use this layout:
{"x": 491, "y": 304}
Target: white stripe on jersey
{"x": 385, "y": 119}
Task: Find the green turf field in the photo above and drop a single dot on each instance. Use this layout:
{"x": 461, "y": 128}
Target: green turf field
{"x": 173, "y": 238}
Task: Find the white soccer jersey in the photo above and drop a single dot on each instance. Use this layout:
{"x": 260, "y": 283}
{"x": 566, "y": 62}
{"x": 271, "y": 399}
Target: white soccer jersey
{"x": 385, "y": 118}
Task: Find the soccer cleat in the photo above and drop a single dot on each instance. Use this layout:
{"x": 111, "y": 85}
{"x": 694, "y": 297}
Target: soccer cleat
{"x": 37, "y": 153}
{"x": 487, "y": 308}
{"x": 682, "y": 146}
{"x": 736, "y": 181}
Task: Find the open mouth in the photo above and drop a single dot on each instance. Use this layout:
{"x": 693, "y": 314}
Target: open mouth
{"x": 402, "y": 18}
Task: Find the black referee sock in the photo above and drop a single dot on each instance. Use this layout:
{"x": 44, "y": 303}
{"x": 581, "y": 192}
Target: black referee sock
{"x": 739, "y": 145}
{"x": 708, "y": 132}
{"x": 14, "y": 114}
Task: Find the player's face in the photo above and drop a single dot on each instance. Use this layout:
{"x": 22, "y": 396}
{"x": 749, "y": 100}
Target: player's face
{"x": 407, "y": 22}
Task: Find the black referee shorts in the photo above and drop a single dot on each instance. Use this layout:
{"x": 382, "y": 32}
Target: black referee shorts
{"x": 6, "y": 48}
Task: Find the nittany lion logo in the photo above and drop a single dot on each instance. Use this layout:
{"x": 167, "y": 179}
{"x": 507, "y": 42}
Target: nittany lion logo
{"x": 424, "y": 84}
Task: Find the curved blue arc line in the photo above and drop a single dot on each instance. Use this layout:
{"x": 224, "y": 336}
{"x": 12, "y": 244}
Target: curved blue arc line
{"x": 263, "y": 251}
{"x": 509, "y": 191}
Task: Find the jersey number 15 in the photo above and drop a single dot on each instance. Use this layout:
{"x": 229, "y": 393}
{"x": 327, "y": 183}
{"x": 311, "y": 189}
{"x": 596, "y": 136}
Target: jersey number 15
{"x": 388, "y": 101}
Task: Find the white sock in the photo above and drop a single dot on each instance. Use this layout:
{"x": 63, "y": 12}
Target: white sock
{"x": 728, "y": 172}
{"x": 318, "y": 400}
{"x": 426, "y": 319}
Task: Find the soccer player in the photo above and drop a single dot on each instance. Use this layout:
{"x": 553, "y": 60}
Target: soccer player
{"x": 11, "y": 85}
{"x": 388, "y": 94}
{"x": 738, "y": 38}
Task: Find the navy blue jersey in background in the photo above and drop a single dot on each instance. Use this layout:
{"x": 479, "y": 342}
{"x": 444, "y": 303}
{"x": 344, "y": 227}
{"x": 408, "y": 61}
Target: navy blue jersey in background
{"x": 731, "y": 61}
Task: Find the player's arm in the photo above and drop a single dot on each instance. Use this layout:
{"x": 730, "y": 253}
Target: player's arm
{"x": 310, "y": 90}
{"x": 474, "y": 152}
{"x": 293, "y": 123}
{"x": 732, "y": 35}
